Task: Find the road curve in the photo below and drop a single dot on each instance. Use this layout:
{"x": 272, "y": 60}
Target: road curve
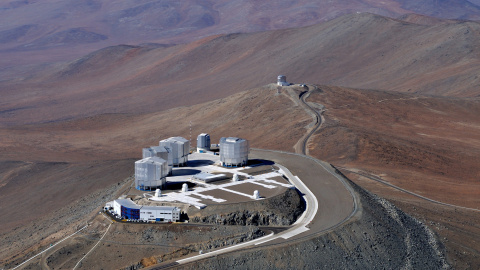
{"x": 317, "y": 124}
{"x": 336, "y": 204}
{"x": 330, "y": 200}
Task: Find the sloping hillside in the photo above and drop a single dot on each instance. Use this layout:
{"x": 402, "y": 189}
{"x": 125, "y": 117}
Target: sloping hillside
{"x": 360, "y": 50}
{"x": 33, "y": 31}
{"x": 426, "y": 145}
{"x": 421, "y": 143}
{"x": 51, "y": 161}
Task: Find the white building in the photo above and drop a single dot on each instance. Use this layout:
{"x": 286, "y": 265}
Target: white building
{"x": 150, "y": 173}
{"x": 203, "y": 143}
{"x": 160, "y": 213}
{"x": 234, "y": 152}
{"x": 161, "y": 152}
{"x": 282, "y": 80}
{"x": 180, "y": 149}
{"x": 127, "y": 209}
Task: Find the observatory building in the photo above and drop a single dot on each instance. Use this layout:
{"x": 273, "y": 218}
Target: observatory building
{"x": 203, "y": 143}
{"x": 160, "y": 152}
{"x": 150, "y": 173}
{"x": 179, "y": 147}
{"x": 282, "y": 80}
{"x": 127, "y": 209}
{"x": 233, "y": 152}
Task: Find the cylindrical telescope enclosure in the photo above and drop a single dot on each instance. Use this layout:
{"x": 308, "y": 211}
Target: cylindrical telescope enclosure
{"x": 203, "y": 143}
{"x": 234, "y": 152}
{"x": 282, "y": 80}
{"x": 150, "y": 173}
{"x": 161, "y": 152}
{"x": 180, "y": 149}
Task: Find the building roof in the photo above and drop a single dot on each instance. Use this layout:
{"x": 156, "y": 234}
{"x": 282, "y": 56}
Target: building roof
{"x": 128, "y": 203}
{"x": 208, "y": 176}
{"x": 231, "y": 140}
{"x": 132, "y": 205}
{"x": 151, "y": 160}
{"x": 175, "y": 139}
{"x": 159, "y": 149}
{"x": 155, "y": 208}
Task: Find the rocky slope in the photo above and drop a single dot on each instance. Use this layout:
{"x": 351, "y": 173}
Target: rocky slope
{"x": 361, "y": 51}
{"x": 380, "y": 237}
{"x": 280, "y": 210}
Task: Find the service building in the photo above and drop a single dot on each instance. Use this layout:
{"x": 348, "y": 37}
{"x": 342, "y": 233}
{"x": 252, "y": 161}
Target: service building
{"x": 127, "y": 209}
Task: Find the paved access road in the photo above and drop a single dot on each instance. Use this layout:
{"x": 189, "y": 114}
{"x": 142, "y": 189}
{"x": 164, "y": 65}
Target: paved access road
{"x": 337, "y": 201}
{"x": 335, "y": 204}
{"x": 330, "y": 199}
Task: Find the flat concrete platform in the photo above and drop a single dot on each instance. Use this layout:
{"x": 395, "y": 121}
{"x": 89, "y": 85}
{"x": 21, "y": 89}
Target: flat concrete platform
{"x": 262, "y": 176}
{"x": 249, "y": 188}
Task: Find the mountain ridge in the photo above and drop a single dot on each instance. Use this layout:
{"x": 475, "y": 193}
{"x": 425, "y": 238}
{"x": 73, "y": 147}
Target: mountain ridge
{"x": 364, "y": 51}
{"x": 144, "y": 21}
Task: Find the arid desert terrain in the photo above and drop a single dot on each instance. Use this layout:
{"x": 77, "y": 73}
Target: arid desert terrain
{"x": 399, "y": 100}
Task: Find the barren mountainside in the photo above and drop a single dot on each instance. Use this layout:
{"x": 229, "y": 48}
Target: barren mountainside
{"x": 388, "y": 134}
{"x": 361, "y": 50}
{"x": 398, "y": 95}
{"x": 53, "y": 30}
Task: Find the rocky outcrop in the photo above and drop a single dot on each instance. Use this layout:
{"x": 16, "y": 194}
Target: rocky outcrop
{"x": 280, "y": 210}
{"x": 380, "y": 236}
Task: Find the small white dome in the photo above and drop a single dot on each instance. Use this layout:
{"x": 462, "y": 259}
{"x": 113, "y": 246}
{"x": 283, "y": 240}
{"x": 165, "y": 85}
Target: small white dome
{"x": 256, "y": 195}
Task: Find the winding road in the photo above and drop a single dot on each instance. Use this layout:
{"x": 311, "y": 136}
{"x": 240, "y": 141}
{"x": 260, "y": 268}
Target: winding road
{"x": 330, "y": 200}
{"x": 317, "y": 121}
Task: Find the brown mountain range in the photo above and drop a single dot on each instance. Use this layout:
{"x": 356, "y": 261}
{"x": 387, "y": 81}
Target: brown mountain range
{"x": 33, "y": 32}
{"x": 425, "y": 144}
{"x": 81, "y": 124}
{"x": 361, "y": 51}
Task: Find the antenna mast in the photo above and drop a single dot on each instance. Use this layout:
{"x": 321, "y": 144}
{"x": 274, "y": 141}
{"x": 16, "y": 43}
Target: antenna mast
{"x": 190, "y": 131}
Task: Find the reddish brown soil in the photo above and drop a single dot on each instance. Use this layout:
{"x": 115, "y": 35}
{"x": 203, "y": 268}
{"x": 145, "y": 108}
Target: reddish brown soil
{"x": 33, "y": 190}
{"x": 46, "y": 167}
{"x": 359, "y": 50}
{"x": 46, "y": 31}
{"x": 427, "y": 145}
{"x": 253, "y": 115}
